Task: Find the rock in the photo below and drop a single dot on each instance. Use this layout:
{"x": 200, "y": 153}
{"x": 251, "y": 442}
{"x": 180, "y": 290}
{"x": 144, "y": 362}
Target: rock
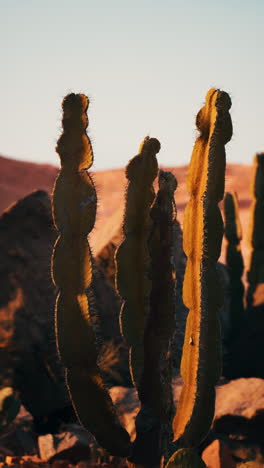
{"x": 18, "y": 441}
{"x": 127, "y": 406}
{"x": 106, "y": 255}
{"x": 239, "y": 418}
{"x": 113, "y": 352}
{"x": 240, "y": 409}
{"x": 5, "y": 452}
{"x": 69, "y": 446}
{"x": 242, "y": 397}
{"x": 28, "y": 356}
{"x": 218, "y": 455}
{"x": 46, "y": 446}
{"x": 11, "y": 460}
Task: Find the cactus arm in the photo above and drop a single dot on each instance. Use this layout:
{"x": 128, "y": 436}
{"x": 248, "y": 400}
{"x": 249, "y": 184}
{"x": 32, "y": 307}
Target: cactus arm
{"x": 255, "y": 275}
{"x": 203, "y": 229}
{"x": 234, "y": 261}
{"x": 185, "y": 458}
{"x": 74, "y": 210}
{"x": 132, "y": 256}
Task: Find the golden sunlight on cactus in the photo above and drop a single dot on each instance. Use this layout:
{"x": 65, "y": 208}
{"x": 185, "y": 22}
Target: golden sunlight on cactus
{"x": 202, "y": 237}
{"x": 74, "y": 210}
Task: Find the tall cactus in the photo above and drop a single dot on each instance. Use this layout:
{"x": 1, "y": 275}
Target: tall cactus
{"x": 234, "y": 262}
{"x": 160, "y": 325}
{"x": 155, "y": 391}
{"x": 202, "y": 237}
{"x": 132, "y": 257}
{"x": 255, "y": 276}
{"x": 74, "y": 211}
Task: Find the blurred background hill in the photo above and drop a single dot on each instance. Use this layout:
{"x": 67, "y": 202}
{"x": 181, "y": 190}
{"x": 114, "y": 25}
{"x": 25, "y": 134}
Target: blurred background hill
{"x": 19, "y": 178}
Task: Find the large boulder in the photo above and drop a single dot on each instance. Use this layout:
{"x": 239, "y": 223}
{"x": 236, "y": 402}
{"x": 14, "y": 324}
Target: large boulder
{"x": 237, "y": 428}
{"x": 28, "y": 356}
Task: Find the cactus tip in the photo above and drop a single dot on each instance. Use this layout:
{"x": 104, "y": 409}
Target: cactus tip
{"x": 167, "y": 181}
{"x": 75, "y": 101}
{"x": 150, "y": 144}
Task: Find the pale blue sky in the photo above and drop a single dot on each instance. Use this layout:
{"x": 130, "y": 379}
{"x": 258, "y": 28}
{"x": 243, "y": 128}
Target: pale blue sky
{"x": 146, "y": 66}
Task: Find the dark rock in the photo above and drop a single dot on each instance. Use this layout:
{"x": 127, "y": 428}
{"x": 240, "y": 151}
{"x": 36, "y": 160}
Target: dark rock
{"x": 71, "y": 446}
{"x": 245, "y": 356}
{"x": 28, "y": 355}
{"x": 218, "y": 455}
{"x": 240, "y": 408}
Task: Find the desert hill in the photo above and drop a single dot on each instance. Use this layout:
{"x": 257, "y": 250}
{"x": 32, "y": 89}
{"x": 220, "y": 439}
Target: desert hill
{"x": 19, "y": 178}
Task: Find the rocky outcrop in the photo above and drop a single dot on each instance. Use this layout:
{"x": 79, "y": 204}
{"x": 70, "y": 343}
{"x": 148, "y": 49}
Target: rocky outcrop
{"x": 28, "y": 356}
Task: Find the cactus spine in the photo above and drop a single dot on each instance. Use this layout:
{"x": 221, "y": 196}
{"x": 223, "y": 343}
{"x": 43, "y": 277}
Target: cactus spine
{"x": 255, "y": 274}
{"x": 132, "y": 256}
{"x": 202, "y": 237}
{"x": 74, "y": 211}
{"x": 234, "y": 261}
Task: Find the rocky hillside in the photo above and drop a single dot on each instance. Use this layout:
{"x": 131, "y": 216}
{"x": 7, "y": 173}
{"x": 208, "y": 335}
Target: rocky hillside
{"x": 18, "y": 179}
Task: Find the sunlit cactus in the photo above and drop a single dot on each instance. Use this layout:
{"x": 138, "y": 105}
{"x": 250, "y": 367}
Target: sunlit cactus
{"x": 74, "y": 210}
{"x": 155, "y": 392}
{"x": 202, "y": 238}
{"x": 145, "y": 280}
{"x": 132, "y": 257}
{"x": 234, "y": 262}
{"x": 255, "y": 275}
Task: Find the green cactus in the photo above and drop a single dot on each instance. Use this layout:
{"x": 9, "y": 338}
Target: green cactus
{"x": 74, "y": 210}
{"x": 234, "y": 262}
{"x": 132, "y": 257}
{"x": 9, "y": 406}
{"x": 202, "y": 237}
{"x": 255, "y": 275}
{"x": 185, "y": 458}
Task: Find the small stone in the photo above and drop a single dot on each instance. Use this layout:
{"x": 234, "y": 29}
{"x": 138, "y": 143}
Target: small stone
{"x": 66, "y": 446}
{"x": 46, "y": 446}
{"x": 218, "y": 455}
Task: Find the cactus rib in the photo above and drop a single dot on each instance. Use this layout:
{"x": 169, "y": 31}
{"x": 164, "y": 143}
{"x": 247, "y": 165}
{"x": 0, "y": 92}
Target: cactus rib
{"x": 203, "y": 230}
